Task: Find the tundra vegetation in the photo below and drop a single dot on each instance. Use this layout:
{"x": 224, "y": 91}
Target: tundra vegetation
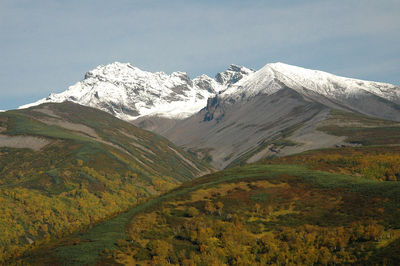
{"x": 93, "y": 167}
{"x": 255, "y": 214}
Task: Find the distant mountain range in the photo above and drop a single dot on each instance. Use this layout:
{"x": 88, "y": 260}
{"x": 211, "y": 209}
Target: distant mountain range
{"x": 129, "y": 93}
{"x": 240, "y": 114}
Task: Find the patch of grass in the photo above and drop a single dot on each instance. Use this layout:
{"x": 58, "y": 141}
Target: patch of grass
{"x": 260, "y": 197}
{"x": 389, "y": 254}
{"x": 362, "y": 129}
{"x": 86, "y": 151}
{"x": 366, "y": 136}
{"x": 22, "y": 125}
{"x": 88, "y": 177}
{"x": 54, "y": 175}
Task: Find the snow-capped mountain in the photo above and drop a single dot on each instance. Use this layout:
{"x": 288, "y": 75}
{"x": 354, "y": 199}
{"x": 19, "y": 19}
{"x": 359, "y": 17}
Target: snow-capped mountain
{"x": 279, "y": 101}
{"x": 275, "y": 76}
{"x": 377, "y": 99}
{"x": 129, "y": 93}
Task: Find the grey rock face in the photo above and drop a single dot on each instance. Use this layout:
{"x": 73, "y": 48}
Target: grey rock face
{"x": 232, "y": 75}
{"x": 230, "y": 130}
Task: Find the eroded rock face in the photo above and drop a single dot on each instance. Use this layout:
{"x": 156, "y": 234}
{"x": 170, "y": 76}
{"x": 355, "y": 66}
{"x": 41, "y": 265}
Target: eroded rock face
{"x": 22, "y": 142}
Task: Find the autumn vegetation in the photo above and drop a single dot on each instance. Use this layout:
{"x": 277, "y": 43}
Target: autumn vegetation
{"x": 375, "y": 163}
{"x": 79, "y": 179}
{"x": 257, "y": 215}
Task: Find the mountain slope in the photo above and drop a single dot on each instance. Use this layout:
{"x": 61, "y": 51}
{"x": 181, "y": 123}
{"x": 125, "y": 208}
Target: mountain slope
{"x": 67, "y": 166}
{"x": 274, "y": 125}
{"x": 230, "y": 130}
{"x": 268, "y": 214}
{"x": 371, "y": 98}
{"x": 256, "y": 214}
{"x": 281, "y": 110}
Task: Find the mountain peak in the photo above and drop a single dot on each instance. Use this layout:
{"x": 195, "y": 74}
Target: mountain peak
{"x": 276, "y": 76}
{"x": 235, "y": 68}
{"x": 129, "y": 92}
{"x": 233, "y": 74}
{"x": 114, "y": 66}
{"x": 296, "y": 70}
{"x": 114, "y": 71}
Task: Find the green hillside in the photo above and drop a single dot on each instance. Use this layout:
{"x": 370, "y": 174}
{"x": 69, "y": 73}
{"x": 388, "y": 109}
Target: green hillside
{"x": 64, "y": 167}
{"x": 252, "y": 215}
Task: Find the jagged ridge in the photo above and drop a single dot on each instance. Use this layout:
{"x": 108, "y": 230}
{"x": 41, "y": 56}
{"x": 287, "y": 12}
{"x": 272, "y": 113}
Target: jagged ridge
{"x": 129, "y": 93}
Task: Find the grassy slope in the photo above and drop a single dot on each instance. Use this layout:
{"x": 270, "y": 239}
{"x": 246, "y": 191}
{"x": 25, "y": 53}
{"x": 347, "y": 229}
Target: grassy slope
{"x": 78, "y": 180}
{"x": 361, "y": 129}
{"x": 376, "y": 154}
{"x": 269, "y": 202}
{"x": 109, "y": 129}
{"x": 357, "y": 128}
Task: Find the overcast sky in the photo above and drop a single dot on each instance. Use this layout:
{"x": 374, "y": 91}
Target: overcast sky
{"x": 46, "y": 46}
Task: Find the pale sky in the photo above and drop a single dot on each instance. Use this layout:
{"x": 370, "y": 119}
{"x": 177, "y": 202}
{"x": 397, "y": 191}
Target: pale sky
{"x": 46, "y": 46}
